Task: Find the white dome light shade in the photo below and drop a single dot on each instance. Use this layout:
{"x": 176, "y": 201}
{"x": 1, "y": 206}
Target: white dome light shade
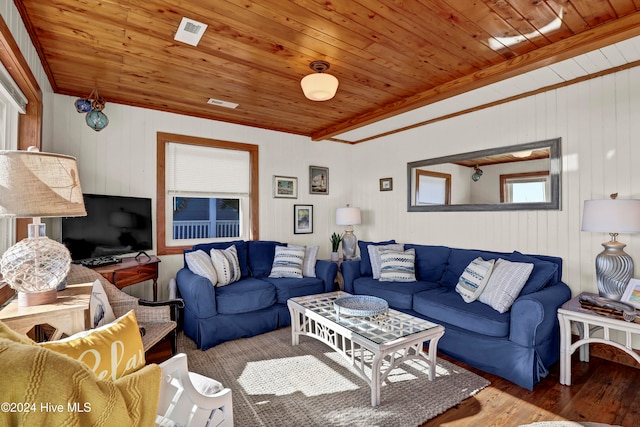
{"x": 319, "y": 86}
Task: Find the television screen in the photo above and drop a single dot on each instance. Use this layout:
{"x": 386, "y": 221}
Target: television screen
{"x": 114, "y": 225}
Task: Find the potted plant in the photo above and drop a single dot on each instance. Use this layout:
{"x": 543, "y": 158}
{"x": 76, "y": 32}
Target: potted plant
{"x": 335, "y": 244}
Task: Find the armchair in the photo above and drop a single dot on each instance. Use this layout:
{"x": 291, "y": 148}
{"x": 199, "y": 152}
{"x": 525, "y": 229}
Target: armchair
{"x": 156, "y": 319}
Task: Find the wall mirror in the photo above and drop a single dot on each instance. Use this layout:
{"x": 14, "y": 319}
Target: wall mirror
{"x": 516, "y": 177}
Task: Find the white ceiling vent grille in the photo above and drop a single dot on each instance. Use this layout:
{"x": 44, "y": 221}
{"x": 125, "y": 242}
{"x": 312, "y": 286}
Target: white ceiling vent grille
{"x": 221, "y": 103}
{"x": 190, "y": 31}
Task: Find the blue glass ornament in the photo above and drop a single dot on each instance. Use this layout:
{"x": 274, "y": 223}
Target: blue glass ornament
{"x": 97, "y": 120}
{"x": 83, "y": 105}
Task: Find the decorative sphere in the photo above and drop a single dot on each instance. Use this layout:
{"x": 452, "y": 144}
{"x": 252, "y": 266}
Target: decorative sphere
{"x": 83, "y": 105}
{"x": 97, "y": 120}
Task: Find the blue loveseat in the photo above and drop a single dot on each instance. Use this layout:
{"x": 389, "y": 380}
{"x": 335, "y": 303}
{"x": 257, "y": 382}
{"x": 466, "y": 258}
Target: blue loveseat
{"x": 253, "y": 305}
{"x": 518, "y": 345}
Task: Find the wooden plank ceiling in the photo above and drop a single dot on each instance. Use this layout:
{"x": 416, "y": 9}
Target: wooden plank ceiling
{"x": 390, "y": 56}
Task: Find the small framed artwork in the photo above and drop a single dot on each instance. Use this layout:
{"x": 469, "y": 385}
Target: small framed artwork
{"x": 285, "y": 187}
{"x": 386, "y": 184}
{"x": 318, "y": 180}
{"x": 302, "y": 219}
{"x": 632, "y": 293}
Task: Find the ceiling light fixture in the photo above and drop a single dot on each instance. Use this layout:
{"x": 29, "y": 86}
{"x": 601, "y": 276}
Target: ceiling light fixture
{"x": 319, "y": 86}
{"x": 522, "y": 154}
{"x": 476, "y": 174}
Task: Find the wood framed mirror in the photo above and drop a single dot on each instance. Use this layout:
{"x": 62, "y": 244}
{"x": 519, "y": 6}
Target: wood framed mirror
{"x": 515, "y": 177}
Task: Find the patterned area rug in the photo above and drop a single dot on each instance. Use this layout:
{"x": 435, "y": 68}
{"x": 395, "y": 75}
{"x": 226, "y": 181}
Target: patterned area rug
{"x": 277, "y": 384}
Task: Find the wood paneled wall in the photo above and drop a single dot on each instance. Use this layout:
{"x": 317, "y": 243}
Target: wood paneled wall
{"x": 121, "y": 160}
{"x": 598, "y": 121}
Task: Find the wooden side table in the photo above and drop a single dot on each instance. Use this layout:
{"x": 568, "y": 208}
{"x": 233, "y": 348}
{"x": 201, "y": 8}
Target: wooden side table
{"x": 587, "y": 322}
{"x": 70, "y": 313}
{"x": 132, "y": 270}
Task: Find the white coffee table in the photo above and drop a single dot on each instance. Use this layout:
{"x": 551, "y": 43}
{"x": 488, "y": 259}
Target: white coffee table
{"x": 374, "y": 345}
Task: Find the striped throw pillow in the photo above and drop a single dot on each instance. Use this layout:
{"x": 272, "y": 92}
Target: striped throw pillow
{"x": 374, "y": 255}
{"x": 474, "y": 279}
{"x": 310, "y": 258}
{"x": 505, "y": 283}
{"x": 288, "y": 262}
{"x": 201, "y": 264}
{"x": 398, "y": 266}
{"x": 226, "y": 264}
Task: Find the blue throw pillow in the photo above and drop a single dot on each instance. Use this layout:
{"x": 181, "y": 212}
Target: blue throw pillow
{"x": 544, "y": 272}
{"x": 365, "y": 262}
{"x": 261, "y": 253}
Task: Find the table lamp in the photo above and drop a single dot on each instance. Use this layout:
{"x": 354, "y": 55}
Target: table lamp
{"x": 35, "y": 184}
{"x": 614, "y": 267}
{"x": 349, "y": 217}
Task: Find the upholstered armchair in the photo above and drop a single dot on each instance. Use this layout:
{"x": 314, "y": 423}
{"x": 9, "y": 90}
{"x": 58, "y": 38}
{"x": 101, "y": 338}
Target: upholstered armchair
{"x": 157, "y": 320}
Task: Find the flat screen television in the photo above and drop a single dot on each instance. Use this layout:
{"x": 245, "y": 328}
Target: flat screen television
{"x": 114, "y": 225}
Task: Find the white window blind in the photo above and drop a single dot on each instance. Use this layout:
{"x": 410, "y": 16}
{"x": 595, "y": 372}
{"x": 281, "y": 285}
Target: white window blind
{"x": 196, "y": 170}
{"x": 11, "y": 92}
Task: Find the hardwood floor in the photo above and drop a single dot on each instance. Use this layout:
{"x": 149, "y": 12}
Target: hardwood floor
{"x": 602, "y": 392}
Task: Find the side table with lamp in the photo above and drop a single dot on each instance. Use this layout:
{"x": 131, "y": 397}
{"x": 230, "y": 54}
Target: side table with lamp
{"x": 614, "y": 267}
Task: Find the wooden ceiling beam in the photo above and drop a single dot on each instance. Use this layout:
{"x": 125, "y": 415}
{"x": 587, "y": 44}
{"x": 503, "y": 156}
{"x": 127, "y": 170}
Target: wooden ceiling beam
{"x": 595, "y": 38}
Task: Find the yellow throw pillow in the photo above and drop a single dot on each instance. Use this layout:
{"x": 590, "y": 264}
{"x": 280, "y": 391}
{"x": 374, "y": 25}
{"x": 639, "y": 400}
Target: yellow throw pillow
{"x": 111, "y": 351}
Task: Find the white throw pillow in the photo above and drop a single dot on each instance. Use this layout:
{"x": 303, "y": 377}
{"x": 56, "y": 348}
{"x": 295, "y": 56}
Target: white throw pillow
{"x": 474, "y": 279}
{"x": 288, "y": 262}
{"x": 200, "y": 263}
{"x": 398, "y": 266}
{"x": 374, "y": 255}
{"x": 226, "y": 264}
{"x": 310, "y": 257}
{"x": 99, "y": 307}
{"x": 505, "y": 283}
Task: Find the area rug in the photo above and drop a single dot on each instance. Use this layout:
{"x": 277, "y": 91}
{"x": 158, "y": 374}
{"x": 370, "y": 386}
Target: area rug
{"x": 277, "y": 384}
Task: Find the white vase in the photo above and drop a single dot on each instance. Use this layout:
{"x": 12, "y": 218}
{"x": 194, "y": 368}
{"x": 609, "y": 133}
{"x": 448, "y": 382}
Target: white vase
{"x": 334, "y": 256}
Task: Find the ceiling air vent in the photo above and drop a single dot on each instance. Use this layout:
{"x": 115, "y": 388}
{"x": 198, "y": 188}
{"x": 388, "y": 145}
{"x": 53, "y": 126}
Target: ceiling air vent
{"x": 190, "y": 31}
{"x": 221, "y": 103}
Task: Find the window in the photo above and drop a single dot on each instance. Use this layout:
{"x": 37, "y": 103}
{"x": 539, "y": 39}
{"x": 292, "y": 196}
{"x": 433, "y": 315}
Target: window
{"x": 12, "y": 104}
{"x": 528, "y": 187}
{"x": 432, "y": 188}
{"x": 29, "y": 127}
{"x": 207, "y": 191}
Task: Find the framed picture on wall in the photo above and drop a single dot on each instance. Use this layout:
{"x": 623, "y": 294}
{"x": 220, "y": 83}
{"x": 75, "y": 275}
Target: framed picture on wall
{"x": 386, "y": 184}
{"x": 303, "y": 219}
{"x": 318, "y": 180}
{"x": 285, "y": 187}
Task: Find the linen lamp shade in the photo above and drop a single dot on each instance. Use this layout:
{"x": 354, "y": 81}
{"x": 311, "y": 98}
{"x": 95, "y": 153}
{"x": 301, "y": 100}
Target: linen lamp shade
{"x": 34, "y": 184}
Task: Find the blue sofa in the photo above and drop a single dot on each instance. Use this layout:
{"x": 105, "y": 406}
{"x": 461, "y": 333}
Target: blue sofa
{"x": 518, "y": 345}
{"x": 253, "y": 305}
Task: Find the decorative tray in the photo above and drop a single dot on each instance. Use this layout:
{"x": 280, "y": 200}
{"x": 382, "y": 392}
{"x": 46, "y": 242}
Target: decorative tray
{"x": 360, "y": 305}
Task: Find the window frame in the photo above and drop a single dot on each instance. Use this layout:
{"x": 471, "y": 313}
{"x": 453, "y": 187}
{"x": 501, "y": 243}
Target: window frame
{"x": 161, "y": 197}
{"x": 522, "y": 176}
{"x": 30, "y": 123}
{"x": 446, "y": 177}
